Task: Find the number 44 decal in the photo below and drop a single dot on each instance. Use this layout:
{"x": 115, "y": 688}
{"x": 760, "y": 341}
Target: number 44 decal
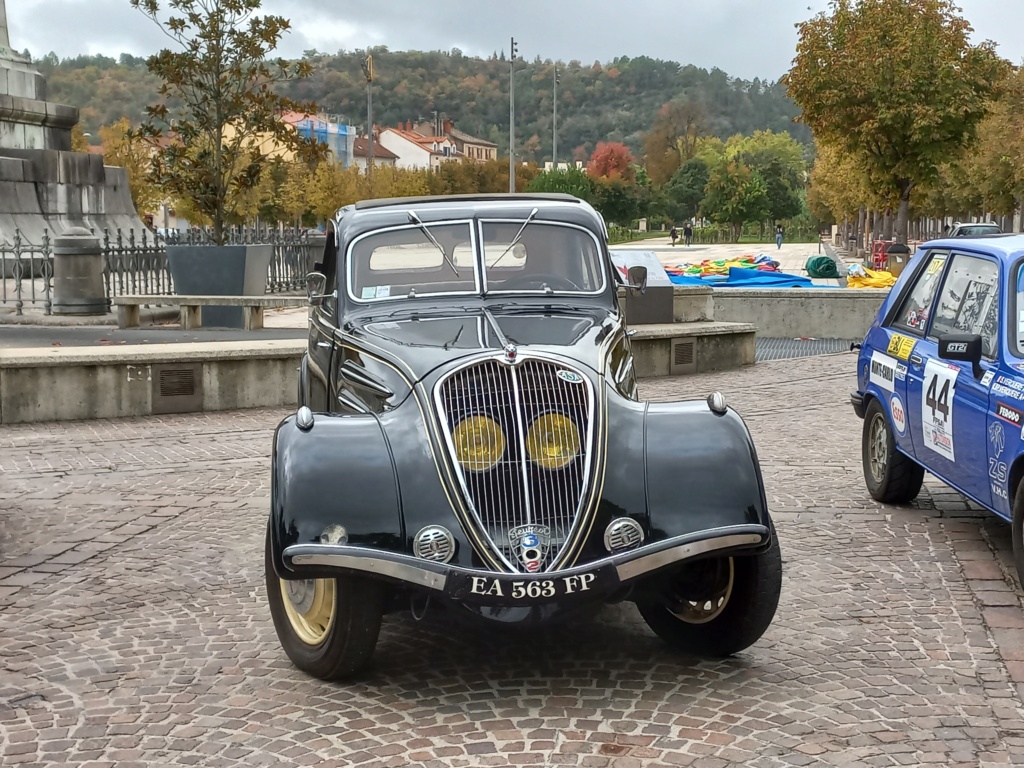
{"x": 937, "y": 407}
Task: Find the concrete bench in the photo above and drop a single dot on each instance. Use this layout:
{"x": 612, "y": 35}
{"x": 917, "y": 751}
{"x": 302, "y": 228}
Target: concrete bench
{"x": 192, "y": 307}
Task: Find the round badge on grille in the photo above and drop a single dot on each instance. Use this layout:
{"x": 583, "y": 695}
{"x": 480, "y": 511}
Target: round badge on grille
{"x": 435, "y": 543}
{"x": 623, "y": 533}
{"x": 570, "y": 376}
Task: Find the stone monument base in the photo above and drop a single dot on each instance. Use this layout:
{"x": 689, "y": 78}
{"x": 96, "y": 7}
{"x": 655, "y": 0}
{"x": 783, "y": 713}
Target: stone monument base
{"x": 47, "y": 191}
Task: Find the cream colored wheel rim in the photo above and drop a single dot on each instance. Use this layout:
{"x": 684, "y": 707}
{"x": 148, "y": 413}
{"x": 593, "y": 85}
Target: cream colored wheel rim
{"x": 703, "y": 611}
{"x": 309, "y": 605}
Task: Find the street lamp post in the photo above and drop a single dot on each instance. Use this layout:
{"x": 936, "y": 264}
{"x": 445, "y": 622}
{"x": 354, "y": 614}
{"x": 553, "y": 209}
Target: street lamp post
{"x": 368, "y": 72}
{"x": 512, "y": 120}
{"x": 554, "y": 123}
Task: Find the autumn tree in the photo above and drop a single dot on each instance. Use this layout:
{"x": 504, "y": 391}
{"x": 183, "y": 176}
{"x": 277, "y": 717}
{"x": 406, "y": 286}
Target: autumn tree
{"x": 896, "y": 82}
{"x": 79, "y": 141}
{"x": 673, "y": 138}
{"x": 218, "y": 100}
{"x": 611, "y": 160}
{"x": 122, "y": 147}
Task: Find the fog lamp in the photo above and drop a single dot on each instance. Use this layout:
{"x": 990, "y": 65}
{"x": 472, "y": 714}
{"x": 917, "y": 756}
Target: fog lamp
{"x": 553, "y": 441}
{"x": 479, "y": 443}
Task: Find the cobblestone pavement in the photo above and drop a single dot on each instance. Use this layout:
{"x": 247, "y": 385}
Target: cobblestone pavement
{"x": 134, "y": 628}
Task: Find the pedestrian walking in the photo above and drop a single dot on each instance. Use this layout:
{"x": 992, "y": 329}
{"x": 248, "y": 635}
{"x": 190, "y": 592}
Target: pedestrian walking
{"x": 779, "y": 233}
{"x": 687, "y": 234}
{"x": 674, "y": 234}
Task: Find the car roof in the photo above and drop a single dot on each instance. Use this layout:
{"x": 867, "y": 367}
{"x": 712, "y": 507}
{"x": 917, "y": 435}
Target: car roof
{"x": 364, "y": 205}
{"x": 1008, "y": 245}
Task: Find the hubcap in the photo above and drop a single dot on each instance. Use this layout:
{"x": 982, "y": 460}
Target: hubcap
{"x": 705, "y": 609}
{"x": 309, "y": 604}
{"x": 878, "y": 448}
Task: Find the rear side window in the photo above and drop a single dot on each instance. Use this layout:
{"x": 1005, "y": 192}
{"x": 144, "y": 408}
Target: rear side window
{"x": 913, "y": 315}
{"x": 969, "y": 301}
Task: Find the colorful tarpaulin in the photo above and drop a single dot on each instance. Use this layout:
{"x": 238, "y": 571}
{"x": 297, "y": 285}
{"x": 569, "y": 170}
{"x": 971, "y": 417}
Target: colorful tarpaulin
{"x": 761, "y": 262}
{"x": 744, "y": 277}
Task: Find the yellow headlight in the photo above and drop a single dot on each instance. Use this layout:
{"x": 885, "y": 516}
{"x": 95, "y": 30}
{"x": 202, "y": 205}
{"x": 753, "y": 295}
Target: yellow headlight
{"x": 479, "y": 443}
{"x": 553, "y": 441}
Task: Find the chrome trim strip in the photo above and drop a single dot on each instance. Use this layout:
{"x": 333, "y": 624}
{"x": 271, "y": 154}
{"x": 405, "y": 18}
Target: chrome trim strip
{"x": 628, "y": 565}
{"x": 632, "y": 569}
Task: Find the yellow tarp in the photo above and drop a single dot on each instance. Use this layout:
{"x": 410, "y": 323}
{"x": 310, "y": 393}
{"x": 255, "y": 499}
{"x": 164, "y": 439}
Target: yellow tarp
{"x": 873, "y": 279}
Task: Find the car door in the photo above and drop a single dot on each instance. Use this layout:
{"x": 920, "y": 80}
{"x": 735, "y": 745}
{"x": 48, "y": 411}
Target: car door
{"x": 895, "y": 343}
{"x": 948, "y": 406}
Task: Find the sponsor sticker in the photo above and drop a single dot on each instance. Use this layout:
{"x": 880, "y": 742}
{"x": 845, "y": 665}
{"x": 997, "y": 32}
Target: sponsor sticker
{"x": 901, "y": 346}
{"x": 1012, "y": 415}
{"x": 899, "y": 415}
{"x": 1008, "y": 387}
{"x": 937, "y": 407}
{"x": 957, "y": 348}
{"x": 901, "y": 371}
{"x": 883, "y": 371}
{"x": 987, "y": 378}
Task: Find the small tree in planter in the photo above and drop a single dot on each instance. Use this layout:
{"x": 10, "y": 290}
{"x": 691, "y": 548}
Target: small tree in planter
{"x": 217, "y": 128}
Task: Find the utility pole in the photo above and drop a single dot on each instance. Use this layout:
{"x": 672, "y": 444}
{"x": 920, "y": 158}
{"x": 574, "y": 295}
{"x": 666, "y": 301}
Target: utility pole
{"x": 368, "y": 72}
{"x": 512, "y": 119}
{"x": 554, "y": 123}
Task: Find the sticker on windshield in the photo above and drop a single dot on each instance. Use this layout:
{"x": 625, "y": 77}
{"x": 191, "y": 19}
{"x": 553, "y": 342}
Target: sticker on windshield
{"x": 383, "y": 291}
{"x": 369, "y": 292}
{"x": 937, "y": 407}
{"x": 901, "y": 346}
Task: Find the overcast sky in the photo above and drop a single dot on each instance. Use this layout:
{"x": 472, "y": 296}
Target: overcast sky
{"x": 746, "y": 38}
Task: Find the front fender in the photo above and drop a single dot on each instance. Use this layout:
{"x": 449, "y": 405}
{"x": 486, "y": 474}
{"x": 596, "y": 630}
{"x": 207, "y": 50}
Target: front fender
{"x": 679, "y": 468}
{"x": 339, "y": 472}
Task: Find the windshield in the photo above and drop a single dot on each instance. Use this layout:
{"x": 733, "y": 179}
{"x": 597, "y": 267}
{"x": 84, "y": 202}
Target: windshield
{"x": 541, "y": 257}
{"x": 523, "y": 256}
{"x": 976, "y": 230}
{"x": 413, "y": 260}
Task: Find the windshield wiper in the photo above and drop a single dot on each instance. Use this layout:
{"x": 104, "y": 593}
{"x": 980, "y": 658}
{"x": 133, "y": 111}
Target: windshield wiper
{"x": 517, "y": 238}
{"x": 423, "y": 227}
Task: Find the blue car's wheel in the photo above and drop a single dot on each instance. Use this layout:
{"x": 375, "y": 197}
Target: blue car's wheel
{"x": 1017, "y": 528}
{"x": 891, "y": 477}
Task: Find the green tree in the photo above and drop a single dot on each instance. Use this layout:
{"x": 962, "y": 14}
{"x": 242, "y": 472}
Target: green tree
{"x": 617, "y": 200}
{"x": 896, "y": 82}
{"x": 780, "y": 161}
{"x": 571, "y": 181}
{"x": 685, "y": 190}
{"x": 223, "y": 106}
{"x": 735, "y": 195}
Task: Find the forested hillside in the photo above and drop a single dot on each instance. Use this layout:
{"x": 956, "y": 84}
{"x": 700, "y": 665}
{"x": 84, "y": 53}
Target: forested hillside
{"x": 616, "y": 101}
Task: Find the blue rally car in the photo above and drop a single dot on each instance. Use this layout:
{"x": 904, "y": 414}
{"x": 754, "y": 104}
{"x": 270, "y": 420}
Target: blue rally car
{"x": 941, "y": 378}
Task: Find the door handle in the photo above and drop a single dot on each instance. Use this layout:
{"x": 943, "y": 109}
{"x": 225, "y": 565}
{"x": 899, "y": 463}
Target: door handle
{"x": 323, "y": 344}
{"x": 916, "y": 359}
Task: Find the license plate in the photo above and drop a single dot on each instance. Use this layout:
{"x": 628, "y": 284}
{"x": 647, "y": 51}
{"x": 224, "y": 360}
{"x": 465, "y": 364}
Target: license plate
{"x": 510, "y": 589}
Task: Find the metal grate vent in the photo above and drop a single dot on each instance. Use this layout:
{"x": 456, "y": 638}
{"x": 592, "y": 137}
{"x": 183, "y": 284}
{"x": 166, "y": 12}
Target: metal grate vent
{"x": 683, "y": 357}
{"x": 177, "y": 388}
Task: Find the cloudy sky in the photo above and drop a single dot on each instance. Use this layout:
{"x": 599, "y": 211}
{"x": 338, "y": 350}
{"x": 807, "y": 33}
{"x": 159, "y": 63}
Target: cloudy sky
{"x": 746, "y": 38}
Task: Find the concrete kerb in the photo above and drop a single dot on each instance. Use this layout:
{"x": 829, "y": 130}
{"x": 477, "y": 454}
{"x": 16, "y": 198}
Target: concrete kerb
{"x": 148, "y": 317}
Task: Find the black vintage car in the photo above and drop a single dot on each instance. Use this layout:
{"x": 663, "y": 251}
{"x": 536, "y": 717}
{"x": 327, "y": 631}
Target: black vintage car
{"x": 469, "y": 436}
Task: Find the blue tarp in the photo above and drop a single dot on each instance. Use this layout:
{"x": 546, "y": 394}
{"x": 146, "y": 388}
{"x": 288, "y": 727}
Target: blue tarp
{"x": 746, "y": 278}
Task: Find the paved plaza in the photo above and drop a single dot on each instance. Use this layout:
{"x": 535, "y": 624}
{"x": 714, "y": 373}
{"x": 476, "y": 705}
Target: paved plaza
{"x": 134, "y": 628}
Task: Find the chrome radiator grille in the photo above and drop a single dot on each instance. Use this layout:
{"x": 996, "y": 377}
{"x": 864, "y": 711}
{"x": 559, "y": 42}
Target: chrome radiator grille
{"x": 537, "y": 407}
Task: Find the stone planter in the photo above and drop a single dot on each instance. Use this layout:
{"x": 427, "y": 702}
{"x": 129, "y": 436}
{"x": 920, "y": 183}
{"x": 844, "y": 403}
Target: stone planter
{"x": 220, "y": 270}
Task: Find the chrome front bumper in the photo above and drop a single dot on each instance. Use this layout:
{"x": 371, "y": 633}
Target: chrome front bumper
{"x": 615, "y": 570}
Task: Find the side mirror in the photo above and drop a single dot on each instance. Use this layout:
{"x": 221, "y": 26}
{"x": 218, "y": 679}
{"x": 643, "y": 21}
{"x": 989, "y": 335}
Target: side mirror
{"x": 316, "y": 288}
{"x": 637, "y": 278}
{"x": 965, "y": 347}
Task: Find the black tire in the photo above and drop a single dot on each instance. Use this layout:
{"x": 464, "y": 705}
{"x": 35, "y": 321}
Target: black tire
{"x": 1017, "y": 530}
{"x": 891, "y": 477}
{"x": 356, "y": 606}
{"x": 739, "y": 621}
